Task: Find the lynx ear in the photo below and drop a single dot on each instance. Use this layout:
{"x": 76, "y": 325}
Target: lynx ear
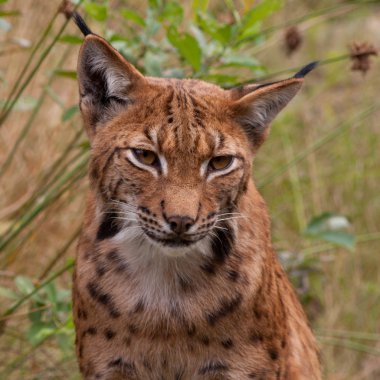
{"x": 255, "y": 110}
{"x": 106, "y": 81}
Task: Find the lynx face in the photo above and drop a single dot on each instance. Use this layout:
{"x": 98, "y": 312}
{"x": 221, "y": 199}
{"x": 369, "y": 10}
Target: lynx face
{"x": 170, "y": 157}
{"x": 172, "y": 175}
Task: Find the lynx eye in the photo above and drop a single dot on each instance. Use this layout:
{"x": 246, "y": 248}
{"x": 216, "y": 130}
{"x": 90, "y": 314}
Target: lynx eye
{"x": 146, "y": 157}
{"x": 220, "y": 162}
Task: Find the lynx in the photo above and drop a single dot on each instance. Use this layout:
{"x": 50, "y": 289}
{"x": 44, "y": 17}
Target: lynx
{"x": 175, "y": 274}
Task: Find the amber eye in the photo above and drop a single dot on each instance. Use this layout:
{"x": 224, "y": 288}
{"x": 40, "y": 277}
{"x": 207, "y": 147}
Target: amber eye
{"x": 146, "y": 157}
{"x": 220, "y": 162}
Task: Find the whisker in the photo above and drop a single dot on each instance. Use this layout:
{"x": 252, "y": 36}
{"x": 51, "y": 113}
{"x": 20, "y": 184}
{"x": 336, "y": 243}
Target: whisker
{"x": 120, "y": 212}
{"x": 229, "y": 213}
{"x": 220, "y": 228}
{"x": 121, "y": 218}
{"x": 215, "y": 235}
{"x": 131, "y": 227}
{"x": 231, "y": 218}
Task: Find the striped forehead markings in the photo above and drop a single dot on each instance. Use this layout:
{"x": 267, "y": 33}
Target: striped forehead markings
{"x": 169, "y": 107}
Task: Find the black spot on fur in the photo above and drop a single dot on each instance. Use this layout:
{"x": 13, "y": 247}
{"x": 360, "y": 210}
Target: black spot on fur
{"x": 117, "y": 262}
{"x": 133, "y": 329}
{"x": 227, "y": 343}
{"x": 91, "y": 331}
{"x": 109, "y": 334}
{"x": 97, "y": 294}
{"x": 139, "y": 307}
{"x": 113, "y": 256}
{"x": 185, "y": 283}
{"x": 213, "y": 366}
{"x": 164, "y": 362}
{"x": 127, "y": 341}
{"x": 101, "y": 270}
{"x": 233, "y": 275}
{"x": 109, "y": 227}
{"x": 145, "y": 210}
{"x": 125, "y": 366}
{"x": 222, "y": 243}
{"x": 191, "y": 330}
{"x": 115, "y": 362}
{"x": 179, "y": 374}
{"x": 114, "y": 313}
{"x": 103, "y": 298}
{"x": 227, "y": 306}
{"x": 121, "y": 268}
{"x": 256, "y": 338}
{"x": 205, "y": 340}
{"x": 273, "y": 353}
{"x": 81, "y": 314}
{"x": 257, "y": 314}
{"x": 208, "y": 267}
{"x": 147, "y": 365}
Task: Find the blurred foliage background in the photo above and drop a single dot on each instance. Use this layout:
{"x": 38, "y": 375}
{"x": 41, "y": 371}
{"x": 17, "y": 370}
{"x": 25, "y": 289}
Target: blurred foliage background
{"x": 319, "y": 170}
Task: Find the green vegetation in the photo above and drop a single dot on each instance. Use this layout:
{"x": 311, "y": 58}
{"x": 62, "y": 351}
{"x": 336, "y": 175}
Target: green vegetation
{"x": 318, "y": 170}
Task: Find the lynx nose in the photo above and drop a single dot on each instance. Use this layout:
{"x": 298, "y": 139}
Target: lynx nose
{"x": 180, "y": 224}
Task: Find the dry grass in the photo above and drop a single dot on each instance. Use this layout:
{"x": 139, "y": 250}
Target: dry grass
{"x": 341, "y": 176}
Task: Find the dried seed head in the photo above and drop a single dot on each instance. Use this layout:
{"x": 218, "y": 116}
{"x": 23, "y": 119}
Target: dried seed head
{"x": 360, "y": 55}
{"x": 293, "y": 39}
{"x": 66, "y": 8}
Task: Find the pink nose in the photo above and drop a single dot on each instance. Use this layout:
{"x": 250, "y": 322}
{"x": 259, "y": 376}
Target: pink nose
{"x": 180, "y": 224}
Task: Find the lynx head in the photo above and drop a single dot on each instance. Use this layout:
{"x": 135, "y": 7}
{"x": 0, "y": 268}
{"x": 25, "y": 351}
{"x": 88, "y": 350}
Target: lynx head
{"x": 170, "y": 158}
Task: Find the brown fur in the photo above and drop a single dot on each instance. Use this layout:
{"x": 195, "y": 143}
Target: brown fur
{"x": 221, "y": 308}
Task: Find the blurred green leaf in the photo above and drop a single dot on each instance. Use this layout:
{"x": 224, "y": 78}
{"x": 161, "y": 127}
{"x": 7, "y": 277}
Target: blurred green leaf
{"x": 255, "y": 15}
{"x": 69, "y": 113}
{"x": 97, "y": 11}
{"x": 221, "y": 79}
{"x": 133, "y": 16}
{"x": 85, "y": 145}
{"x": 152, "y": 64}
{"x": 155, "y": 4}
{"x": 187, "y": 47}
{"x": 172, "y": 13}
{"x": 332, "y": 228}
{"x": 24, "y": 284}
{"x": 71, "y": 39}
{"x": 25, "y": 103}
{"x": 51, "y": 293}
{"x": 8, "y": 293}
{"x": 240, "y": 61}
{"x": 221, "y": 32}
{"x": 66, "y": 73}
{"x": 39, "y": 332}
{"x": 65, "y": 341}
{"x": 35, "y": 315}
{"x": 199, "y": 6}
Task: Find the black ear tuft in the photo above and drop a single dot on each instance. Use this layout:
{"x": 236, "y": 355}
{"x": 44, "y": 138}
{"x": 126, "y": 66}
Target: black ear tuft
{"x": 81, "y": 24}
{"x": 306, "y": 69}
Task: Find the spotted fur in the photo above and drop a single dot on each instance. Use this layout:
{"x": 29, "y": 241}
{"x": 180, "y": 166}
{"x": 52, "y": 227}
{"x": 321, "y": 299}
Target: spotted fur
{"x": 175, "y": 275}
